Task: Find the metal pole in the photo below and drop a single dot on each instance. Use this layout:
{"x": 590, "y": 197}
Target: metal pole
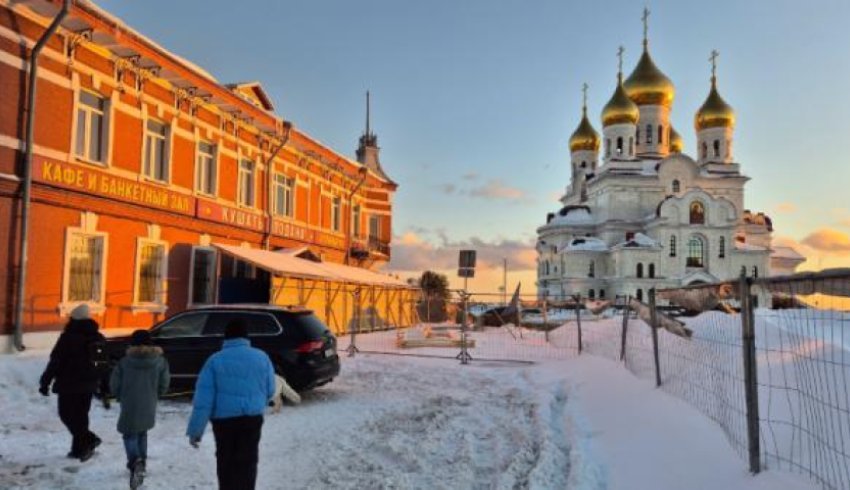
{"x": 364, "y": 172}
{"x": 625, "y": 327}
{"x": 505, "y": 281}
{"x": 18, "y": 337}
{"x": 748, "y": 337}
{"x": 267, "y": 235}
{"x": 352, "y": 346}
{"x": 654, "y": 319}
{"x": 464, "y": 352}
{"x": 577, "y": 298}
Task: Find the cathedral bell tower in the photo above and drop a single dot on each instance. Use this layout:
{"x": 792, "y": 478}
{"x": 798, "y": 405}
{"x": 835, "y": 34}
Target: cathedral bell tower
{"x": 714, "y": 123}
{"x": 584, "y": 150}
{"x": 619, "y": 121}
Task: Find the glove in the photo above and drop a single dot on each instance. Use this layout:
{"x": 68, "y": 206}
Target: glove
{"x": 194, "y": 441}
{"x": 44, "y": 390}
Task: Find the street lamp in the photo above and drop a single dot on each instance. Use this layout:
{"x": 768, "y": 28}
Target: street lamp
{"x": 363, "y": 172}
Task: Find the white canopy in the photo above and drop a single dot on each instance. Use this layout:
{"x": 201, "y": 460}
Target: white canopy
{"x": 286, "y": 264}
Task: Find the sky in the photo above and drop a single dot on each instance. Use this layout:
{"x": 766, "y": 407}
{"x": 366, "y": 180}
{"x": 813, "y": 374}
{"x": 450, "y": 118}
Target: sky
{"x": 474, "y": 102}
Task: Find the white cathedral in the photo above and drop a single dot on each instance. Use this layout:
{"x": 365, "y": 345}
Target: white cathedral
{"x": 648, "y": 215}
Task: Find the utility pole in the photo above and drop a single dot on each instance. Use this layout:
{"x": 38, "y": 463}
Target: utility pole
{"x": 505, "y": 281}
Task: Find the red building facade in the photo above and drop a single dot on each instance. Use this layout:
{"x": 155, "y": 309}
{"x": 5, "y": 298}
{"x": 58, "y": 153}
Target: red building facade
{"x": 141, "y": 161}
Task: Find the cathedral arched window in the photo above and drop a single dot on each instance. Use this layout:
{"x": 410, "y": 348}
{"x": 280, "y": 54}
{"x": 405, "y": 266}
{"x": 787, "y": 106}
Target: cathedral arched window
{"x": 660, "y": 134}
{"x": 583, "y": 164}
{"x": 639, "y": 271}
{"x": 697, "y": 214}
{"x": 631, "y": 146}
{"x": 704, "y": 150}
{"x": 651, "y": 271}
{"x": 721, "y": 247}
{"x": 717, "y": 148}
{"x": 591, "y": 269}
{"x": 637, "y": 136}
{"x": 675, "y": 187}
{"x": 591, "y": 294}
{"x": 755, "y": 271}
{"x": 672, "y": 245}
{"x": 743, "y": 270}
{"x": 640, "y": 295}
{"x": 619, "y": 145}
{"x": 649, "y": 133}
{"x": 601, "y": 294}
{"x": 696, "y": 251}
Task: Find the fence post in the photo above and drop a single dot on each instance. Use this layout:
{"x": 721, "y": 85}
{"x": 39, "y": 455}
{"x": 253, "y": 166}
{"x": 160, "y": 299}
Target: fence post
{"x": 653, "y": 318}
{"x": 577, "y": 298}
{"x": 355, "y": 323}
{"x": 748, "y": 337}
{"x": 464, "y": 353}
{"x": 625, "y": 328}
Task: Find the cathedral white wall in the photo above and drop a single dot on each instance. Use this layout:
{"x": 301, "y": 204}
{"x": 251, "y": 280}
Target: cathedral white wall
{"x": 706, "y": 145}
{"x": 609, "y": 142}
{"x": 654, "y": 116}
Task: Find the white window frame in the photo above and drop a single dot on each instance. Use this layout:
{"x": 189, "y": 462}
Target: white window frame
{"x": 148, "y": 166}
{"x": 287, "y": 184}
{"x": 159, "y": 305}
{"x": 85, "y": 130}
{"x": 202, "y": 174}
{"x": 99, "y": 305}
{"x": 336, "y": 213}
{"x": 241, "y": 172}
{"x": 213, "y": 274}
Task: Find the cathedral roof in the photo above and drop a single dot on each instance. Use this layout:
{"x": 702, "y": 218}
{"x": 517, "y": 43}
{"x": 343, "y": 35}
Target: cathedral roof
{"x": 620, "y": 109}
{"x": 715, "y": 112}
{"x": 677, "y": 144}
{"x": 647, "y": 85}
{"x": 584, "y": 137}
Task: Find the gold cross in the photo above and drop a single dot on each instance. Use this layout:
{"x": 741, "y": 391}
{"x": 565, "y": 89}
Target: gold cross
{"x": 620, "y": 52}
{"x": 713, "y": 60}
{"x": 645, "y": 25}
{"x": 584, "y": 94}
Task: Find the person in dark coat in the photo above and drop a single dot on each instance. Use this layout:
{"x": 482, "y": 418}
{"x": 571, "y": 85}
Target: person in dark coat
{"x": 233, "y": 390}
{"x": 75, "y": 378}
{"x": 137, "y": 382}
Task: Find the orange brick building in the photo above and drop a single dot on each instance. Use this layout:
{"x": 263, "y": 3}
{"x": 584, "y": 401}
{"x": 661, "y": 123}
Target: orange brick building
{"x": 142, "y": 161}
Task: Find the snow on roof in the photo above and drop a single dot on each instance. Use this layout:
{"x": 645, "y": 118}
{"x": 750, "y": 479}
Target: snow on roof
{"x": 786, "y": 253}
{"x": 639, "y": 240}
{"x": 579, "y": 216}
{"x": 586, "y": 244}
{"x": 289, "y": 265}
{"x": 746, "y": 247}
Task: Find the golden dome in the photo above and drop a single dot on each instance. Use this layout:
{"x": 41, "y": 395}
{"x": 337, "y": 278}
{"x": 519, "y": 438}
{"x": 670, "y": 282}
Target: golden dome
{"x": 715, "y": 112}
{"x": 620, "y": 109}
{"x": 584, "y": 137}
{"x": 676, "y": 142}
{"x": 647, "y": 85}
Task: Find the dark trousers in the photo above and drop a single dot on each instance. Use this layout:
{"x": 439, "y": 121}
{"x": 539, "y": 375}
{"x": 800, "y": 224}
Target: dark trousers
{"x": 74, "y": 413}
{"x": 237, "y": 448}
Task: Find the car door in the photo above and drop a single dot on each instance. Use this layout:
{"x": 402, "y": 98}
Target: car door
{"x": 181, "y": 339}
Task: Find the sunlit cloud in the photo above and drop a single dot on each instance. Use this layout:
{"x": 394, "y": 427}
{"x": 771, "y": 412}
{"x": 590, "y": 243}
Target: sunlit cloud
{"x": 496, "y": 189}
{"x": 828, "y": 240}
{"x": 447, "y": 188}
{"x": 469, "y": 176}
{"x": 786, "y": 207}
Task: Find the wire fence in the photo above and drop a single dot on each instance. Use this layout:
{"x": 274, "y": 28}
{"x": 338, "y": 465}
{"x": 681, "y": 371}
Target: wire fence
{"x": 767, "y": 359}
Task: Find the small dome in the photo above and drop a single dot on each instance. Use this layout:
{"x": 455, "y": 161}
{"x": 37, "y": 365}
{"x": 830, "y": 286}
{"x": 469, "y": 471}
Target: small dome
{"x": 620, "y": 109}
{"x": 584, "y": 137}
{"x": 676, "y": 142}
{"x": 715, "y": 112}
{"x": 647, "y": 85}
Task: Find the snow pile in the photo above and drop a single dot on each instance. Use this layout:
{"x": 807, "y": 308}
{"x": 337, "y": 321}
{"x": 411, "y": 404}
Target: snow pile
{"x": 586, "y": 244}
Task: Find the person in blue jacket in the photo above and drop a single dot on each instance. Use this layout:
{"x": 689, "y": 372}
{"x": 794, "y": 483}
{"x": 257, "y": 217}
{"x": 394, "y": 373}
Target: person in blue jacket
{"x": 233, "y": 390}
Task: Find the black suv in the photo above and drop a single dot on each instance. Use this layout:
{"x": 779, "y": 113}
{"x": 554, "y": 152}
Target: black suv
{"x": 300, "y": 346}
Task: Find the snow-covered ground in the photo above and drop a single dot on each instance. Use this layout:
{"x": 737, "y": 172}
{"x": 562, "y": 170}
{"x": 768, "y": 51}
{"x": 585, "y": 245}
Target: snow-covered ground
{"x": 409, "y": 422}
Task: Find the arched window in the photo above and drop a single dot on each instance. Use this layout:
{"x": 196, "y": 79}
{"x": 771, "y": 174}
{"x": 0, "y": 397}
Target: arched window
{"x": 721, "y": 248}
{"x": 672, "y": 245}
{"x": 755, "y": 271}
{"x": 547, "y": 267}
{"x": 696, "y": 250}
{"x": 675, "y": 187}
{"x": 631, "y": 146}
{"x": 637, "y": 136}
{"x": 583, "y": 164}
{"x": 652, "y": 271}
{"x": 704, "y": 150}
{"x": 697, "y": 213}
{"x": 639, "y": 295}
{"x": 639, "y": 271}
{"x": 660, "y": 134}
{"x": 717, "y": 148}
{"x": 649, "y": 133}
{"x": 591, "y": 294}
{"x": 601, "y": 294}
{"x": 743, "y": 270}
{"x": 591, "y": 269}
{"x": 619, "y": 145}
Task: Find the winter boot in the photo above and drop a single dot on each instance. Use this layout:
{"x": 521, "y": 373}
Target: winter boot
{"x": 137, "y": 474}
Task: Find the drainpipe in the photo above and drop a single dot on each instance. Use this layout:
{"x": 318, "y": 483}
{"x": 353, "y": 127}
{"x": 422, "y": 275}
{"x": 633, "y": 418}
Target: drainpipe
{"x": 27, "y": 172}
{"x": 267, "y": 236}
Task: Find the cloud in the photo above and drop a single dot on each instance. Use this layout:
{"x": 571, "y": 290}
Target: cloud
{"x": 828, "y": 240}
{"x": 411, "y": 252}
{"x": 786, "y": 207}
{"x": 447, "y": 188}
{"x": 469, "y": 176}
{"x": 495, "y": 189}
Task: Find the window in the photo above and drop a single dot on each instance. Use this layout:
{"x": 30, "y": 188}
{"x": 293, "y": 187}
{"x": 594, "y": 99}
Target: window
{"x": 355, "y": 221}
{"x": 85, "y": 268}
{"x": 258, "y": 323}
{"x": 639, "y": 271}
{"x": 755, "y": 271}
{"x": 591, "y": 294}
{"x": 695, "y": 252}
{"x": 284, "y": 192}
{"x": 591, "y": 271}
{"x": 637, "y": 136}
{"x": 652, "y": 271}
{"x": 649, "y": 134}
{"x": 156, "y": 151}
{"x": 91, "y": 127}
{"x": 246, "y": 183}
{"x": 335, "y": 213}
{"x": 704, "y": 150}
{"x": 721, "y": 248}
{"x": 676, "y": 187}
{"x": 743, "y": 270}
{"x": 150, "y": 272}
{"x": 619, "y": 145}
{"x": 673, "y": 246}
{"x": 187, "y": 325}
{"x": 601, "y": 294}
{"x": 375, "y": 227}
{"x": 205, "y": 170}
{"x": 697, "y": 214}
{"x": 203, "y": 276}
{"x": 660, "y": 134}
{"x": 717, "y": 148}
{"x": 640, "y": 295}
{"x": 583, "y": 164}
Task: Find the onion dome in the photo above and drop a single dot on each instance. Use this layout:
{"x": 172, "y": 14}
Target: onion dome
{"x": 620, "y": 109}
{"x": 715, "y": 112}
{"x": 676, "y": 142}
{"x": 647, "y": 85}
{"x": 584, "y": 137}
